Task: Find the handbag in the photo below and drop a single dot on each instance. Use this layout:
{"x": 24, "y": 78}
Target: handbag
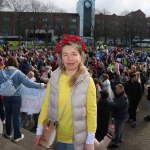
{"x": 48, "y": 137}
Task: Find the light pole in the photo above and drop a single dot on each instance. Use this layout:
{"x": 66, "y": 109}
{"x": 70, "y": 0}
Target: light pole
{"x": 92, "y": 31}
{"x": 92, "y": 35}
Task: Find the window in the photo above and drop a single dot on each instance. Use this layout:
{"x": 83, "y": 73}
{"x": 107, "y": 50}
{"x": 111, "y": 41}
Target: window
{"x": 45, "y": 19}
{"x": 32, "y": 22}
{"x": 72, "y": 26}
{"x": 59, "y": 20}
{"x": 6, "y": 19}
{"x": 31, "y": 19}
{"x": 5, "y": 26}
{"x": 74, "y": 20}
{"x": 148, "y": 24}
{"x": 72, "y": 29}
{"x": 98, "y": 22}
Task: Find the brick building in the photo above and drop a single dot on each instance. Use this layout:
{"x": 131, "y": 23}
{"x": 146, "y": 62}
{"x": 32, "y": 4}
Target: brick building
{"x": 51, "y": 26}
{"x": 125, "y": 28}
{"x": 39, "y": 25}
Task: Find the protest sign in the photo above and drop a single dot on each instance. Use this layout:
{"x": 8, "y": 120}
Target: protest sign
{"x": 31, "y": 100}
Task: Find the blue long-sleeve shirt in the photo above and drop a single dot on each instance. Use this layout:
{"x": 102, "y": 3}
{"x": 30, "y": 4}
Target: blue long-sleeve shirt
{"x": 19, "y": 79}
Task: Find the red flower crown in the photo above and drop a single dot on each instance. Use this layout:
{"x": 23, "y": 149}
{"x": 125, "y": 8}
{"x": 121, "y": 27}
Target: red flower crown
{"x": 69, "y": 38}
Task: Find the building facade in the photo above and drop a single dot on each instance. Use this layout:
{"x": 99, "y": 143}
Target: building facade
{"x": 85, "y": 23}
{"x": 39, "y": 25}
{"x": 125, "y": 28}
{"x": 86, "y": 11}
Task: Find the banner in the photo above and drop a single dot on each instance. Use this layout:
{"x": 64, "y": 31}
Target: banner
{"x": 31, "y": 100}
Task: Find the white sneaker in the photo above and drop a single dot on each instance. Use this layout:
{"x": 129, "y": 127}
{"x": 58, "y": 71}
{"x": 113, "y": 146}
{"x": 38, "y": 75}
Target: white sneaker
{"x": 8, "y": 136}
{"x": 137, "y": 110}
{"x": 19, "y": 139}
{"x": 3, "y": 122}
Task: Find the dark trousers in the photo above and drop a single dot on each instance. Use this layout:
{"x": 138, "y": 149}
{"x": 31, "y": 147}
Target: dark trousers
{"x": 2, "y": 112}
{"x": 119, "y": 123}
{"x": 102, "y": 128}
{"x": 36, "y": 116}
{"x": 132, "y": 111}
{"x": 12, "y": 107}
{"x": 103, "y": 114}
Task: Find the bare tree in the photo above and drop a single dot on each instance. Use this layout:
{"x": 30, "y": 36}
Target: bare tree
{"x": 37, "y": 6}
{"x": 125, "y": 12}
{"x": 124, "y": 28}
{"x": 101, "y": 29}
{"x": 97, "y": 11}
{"x": 17, "y": 5}
{"x": 105, "y": 12}
{"x": 61, "y": 10}
{"x": 36, "y": 23}
{"x": 30, "y": 6}
{"x": 114, "y": 28}
{"x": 1, "y": 4}
{"x": 106, "y": 24}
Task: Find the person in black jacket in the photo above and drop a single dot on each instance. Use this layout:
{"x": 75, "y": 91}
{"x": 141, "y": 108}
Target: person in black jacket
{"x": 103, "y": 114}
{"x": 119, "y": 108}
{"x": 147, "y": 87}
{"x": 133, "y": 90}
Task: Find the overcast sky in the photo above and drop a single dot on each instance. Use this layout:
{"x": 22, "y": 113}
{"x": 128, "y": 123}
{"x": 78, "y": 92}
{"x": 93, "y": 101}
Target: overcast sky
{"x": 112, "y": 6}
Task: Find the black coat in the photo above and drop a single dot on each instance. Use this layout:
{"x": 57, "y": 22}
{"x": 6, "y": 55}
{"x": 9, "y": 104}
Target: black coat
{"x": 119, "y": 106}
{"x": 133, "y": 91}
{"x": 103, "y": 113}
{"x": 148, "y": 94}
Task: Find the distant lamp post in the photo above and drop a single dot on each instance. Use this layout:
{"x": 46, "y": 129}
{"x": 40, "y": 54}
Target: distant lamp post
{"x": 92, "y": 31}
{"x": 59, "y": 29}
{"x": 92, "y": 35}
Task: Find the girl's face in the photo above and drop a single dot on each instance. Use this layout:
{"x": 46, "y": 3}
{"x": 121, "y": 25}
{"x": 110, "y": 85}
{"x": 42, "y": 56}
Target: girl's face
{"x": 71, "y": 58}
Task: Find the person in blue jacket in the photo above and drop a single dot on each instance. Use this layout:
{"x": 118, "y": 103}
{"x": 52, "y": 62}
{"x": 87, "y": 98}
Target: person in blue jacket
{"x": 12, "y": 104}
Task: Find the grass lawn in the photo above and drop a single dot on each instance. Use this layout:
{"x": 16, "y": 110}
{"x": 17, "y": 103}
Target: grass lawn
{"x": 144, "y": 49}
{"x": 14, "y": 45}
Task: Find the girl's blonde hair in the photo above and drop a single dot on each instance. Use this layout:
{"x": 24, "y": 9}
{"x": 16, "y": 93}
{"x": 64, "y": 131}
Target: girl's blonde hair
{"x": 81, "y": 68}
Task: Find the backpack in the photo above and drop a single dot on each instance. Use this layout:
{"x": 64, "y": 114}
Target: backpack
{"x": 7, "y": 88}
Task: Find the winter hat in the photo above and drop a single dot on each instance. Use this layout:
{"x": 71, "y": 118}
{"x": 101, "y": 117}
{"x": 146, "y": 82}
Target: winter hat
{"x": 132, "y": 75}
{"x": 104, "y": 94}
{"x": 124, "y": 79}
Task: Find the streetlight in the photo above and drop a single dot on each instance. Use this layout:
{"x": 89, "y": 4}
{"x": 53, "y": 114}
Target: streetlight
{"x": 92, "y": 35}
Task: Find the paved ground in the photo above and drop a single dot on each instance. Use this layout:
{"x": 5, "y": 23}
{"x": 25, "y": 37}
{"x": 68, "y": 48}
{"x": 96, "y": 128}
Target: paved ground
{"x": 137, "y": 138}
{"x": 133, "y": 138}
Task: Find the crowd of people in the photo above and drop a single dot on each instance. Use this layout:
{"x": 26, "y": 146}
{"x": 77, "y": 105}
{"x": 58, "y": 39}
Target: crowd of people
{"x": 103, "y": 84}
